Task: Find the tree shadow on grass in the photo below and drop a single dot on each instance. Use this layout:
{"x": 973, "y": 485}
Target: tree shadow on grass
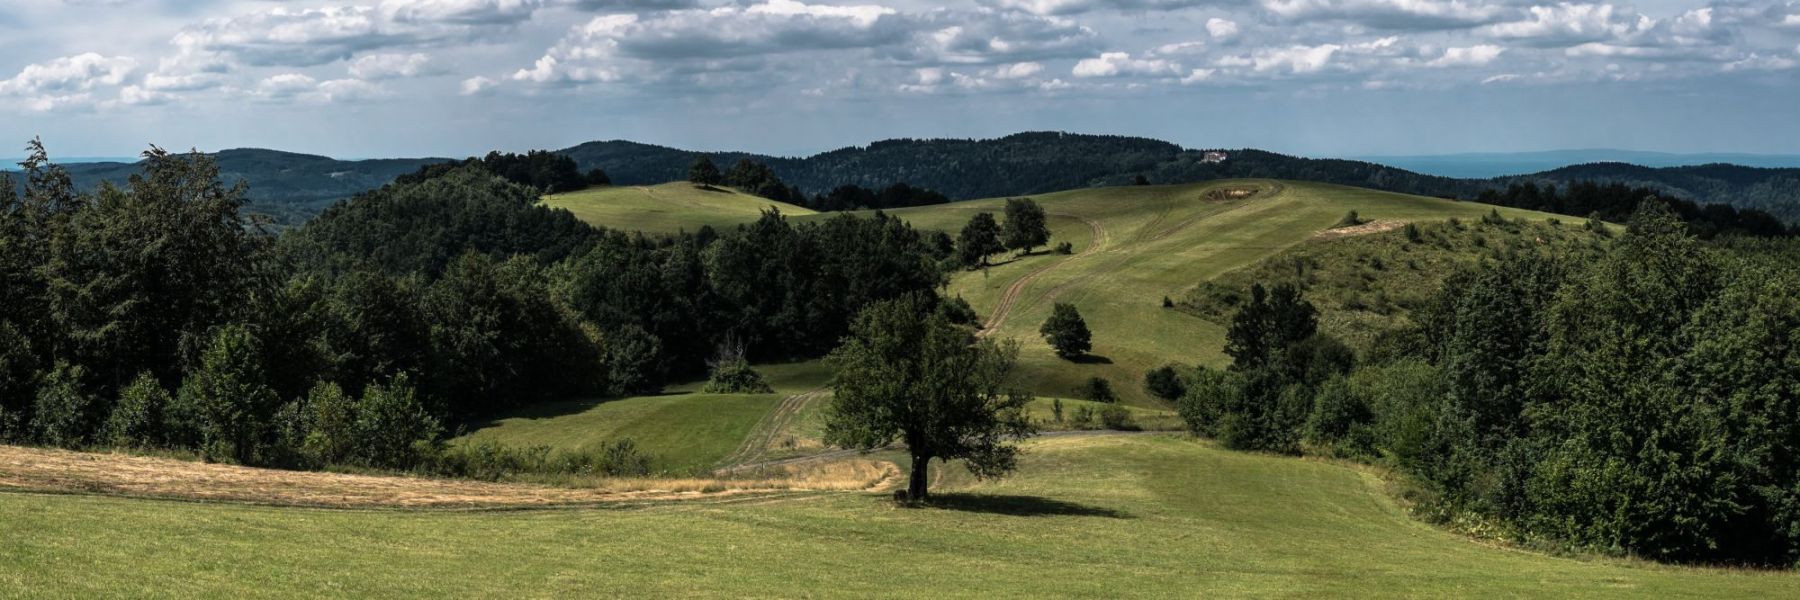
{"x": 1091, "y": 359}
{"x": 1020, "y": 506}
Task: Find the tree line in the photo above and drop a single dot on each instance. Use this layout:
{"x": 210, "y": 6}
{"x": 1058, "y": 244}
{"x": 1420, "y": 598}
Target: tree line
{"x": 1615, "y": 202}
{"x": 1645, "y": 402}
{"x": 156, "y": 315}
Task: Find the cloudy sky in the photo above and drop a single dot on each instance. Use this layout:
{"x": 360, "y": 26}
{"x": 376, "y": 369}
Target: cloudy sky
{"x": 365, "y": 78}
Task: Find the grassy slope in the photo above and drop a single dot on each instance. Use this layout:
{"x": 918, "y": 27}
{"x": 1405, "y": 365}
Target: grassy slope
{"x": 1159, "y": 241}
{"x": 1141, "y": 516}
{"x": 685, "y": 430}
{"x": 667, "y": 208}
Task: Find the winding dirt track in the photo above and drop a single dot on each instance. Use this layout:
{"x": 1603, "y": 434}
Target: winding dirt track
{"x": 766, "y": 434}
{"x": 1010, "y": 298}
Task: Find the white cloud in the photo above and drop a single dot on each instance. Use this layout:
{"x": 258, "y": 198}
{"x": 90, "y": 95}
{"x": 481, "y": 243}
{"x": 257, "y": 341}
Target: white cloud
{"x": 1221, "y": 28}
{"x": 78, "y": 73}
{"x": 1112, "y": 64}
{"x": 1570, "y": 24}
{"x": 1391, "y": 14}
{"x": 1472, "y": 56}
{"x": 392, "y": 66}
{"x": 475, "y": 86}
{"x": 1071, "y": 7}
{"x": 1017, "y": 70}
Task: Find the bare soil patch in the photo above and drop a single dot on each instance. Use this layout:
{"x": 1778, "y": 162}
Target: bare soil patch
{"x": 1363, "y": 229}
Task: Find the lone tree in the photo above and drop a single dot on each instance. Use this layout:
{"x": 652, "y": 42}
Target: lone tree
{"x": 979, "y": 239}
{"x": 704, "y": 172}
{"x": 1025, "y": 226}
{"x": 906, "y": 373}
{"x": 1066, "y": 331}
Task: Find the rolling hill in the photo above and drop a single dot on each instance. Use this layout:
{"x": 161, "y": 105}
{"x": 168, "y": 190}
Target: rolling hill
{"x": 294, "y": 187}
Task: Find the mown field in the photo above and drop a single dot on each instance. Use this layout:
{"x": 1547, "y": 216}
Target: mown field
{"x": 667, "y": 208}
{"x": 1104, "y": 516}
{"x": 1155, "y": 241}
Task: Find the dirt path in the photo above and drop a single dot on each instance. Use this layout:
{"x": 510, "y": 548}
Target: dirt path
{"x": 1010, "y": 298}
{"x": 62, "y": 471}
{"x": 767, "y": 434}
{"x": 1363, "y": 229}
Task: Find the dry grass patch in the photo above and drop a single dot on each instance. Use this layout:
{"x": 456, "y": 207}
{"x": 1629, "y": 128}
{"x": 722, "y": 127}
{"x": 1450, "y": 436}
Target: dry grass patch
{"x": 33, "y": 469}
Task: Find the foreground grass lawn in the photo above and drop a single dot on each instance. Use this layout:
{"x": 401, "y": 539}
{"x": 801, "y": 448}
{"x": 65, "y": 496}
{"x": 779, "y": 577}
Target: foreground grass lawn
{"x": 1117, "y": 516}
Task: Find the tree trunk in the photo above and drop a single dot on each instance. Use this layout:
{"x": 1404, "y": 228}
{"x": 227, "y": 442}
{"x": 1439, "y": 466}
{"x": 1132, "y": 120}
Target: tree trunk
{"x": 915, "y": 486}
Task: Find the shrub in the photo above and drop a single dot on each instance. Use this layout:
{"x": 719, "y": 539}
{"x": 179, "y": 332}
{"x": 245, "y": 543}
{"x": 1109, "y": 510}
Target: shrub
{"x": 1083, "y": 418}
{"x": 330, "y": 423}
{"x": 64, "y": 412}
{"x": 225, "y": 405}
{"x": 1167, "y": 303}
{"x": 137, "y": 419}
{"x": 1412, "y": 233}
{"x": 1340, "y": 421}
{"x": 1117, "y": 418}
{"x": 1097, "y": 389}
{"x": 1056, "y": 409}
{"x": 1065, "y": 248}
{"x": 1066, "y": 331}
{"x": 958, "y": 311}
{"x": 1163, "y": 382}
{"x": 1351, "y": 219}
{"x": 1203, "y": 404}
{"x": 489, "y": 461}
{"x": 392, "y": 429}
{"x": 731, "y": 373}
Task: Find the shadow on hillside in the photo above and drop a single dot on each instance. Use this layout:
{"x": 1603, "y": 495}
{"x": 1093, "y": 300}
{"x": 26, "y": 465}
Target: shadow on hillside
{"x": 554, "y": 409}
{"x": 1020, "y": 506}
{"x": 1091, "y": 359}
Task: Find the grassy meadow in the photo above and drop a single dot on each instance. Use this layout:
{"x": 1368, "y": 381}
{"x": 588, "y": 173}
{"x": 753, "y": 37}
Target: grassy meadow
{"x": 1156, "y": 242}
{"x": 1098, "y": 517}
{"x": 667, "y": 208}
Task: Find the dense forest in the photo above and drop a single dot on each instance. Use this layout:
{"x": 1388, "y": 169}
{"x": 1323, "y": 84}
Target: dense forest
{"x": 1641, "y": 402}
{"x": 156, "y": 315}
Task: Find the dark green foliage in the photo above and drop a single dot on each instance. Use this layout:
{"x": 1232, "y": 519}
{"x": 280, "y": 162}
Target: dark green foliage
{"x": 1202, "y": 406}
{"x": 1341, "y": 421}
{"x": 756, "y": 178}
{"x": 1097, "y": 389}
{"x": 1617, "y": 201}
{"x": 1140, "y": 180}
{"x": 1066, "y": 331}
{"x": 704, "y": 172}
{"x": 225, "y": 404}
{"x": 1083, "y": 418}
{"x": 1412, "y": 233}
{"x": 1263, "y": 332}
{"x": 405, "y": 228}
{"x": 1065, "y": 248}
{"x": 907, "y": 374}
{"x": 1026, "y": 226}
{"x": 979, "y": 239}
{"x": 731, "y": 373}
{"x": 854, "y": 197}
{"x": 330, "y": 421}
{"x": 1056, "y": 409}
{"x": 1351, "y": 219}
{"x": 631, "y": 357}
{"x": 1117, "y": 418}
{"x": 492, "y": 462}
{"x": 1164, "y": 382}
{"x": 137, "y": 418}
{"x": 18, "y": 381}
{"x": 67, "y": 411}
{"x": 392, "y": 427}
{"x": 957, "y": 310}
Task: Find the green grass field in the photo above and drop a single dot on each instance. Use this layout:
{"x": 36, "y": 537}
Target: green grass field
{"x": 1098, "y": 517}
{"x": 667, "y": 208}
{"x": 686, "y": 431}
{"x": 1156, "y": 241}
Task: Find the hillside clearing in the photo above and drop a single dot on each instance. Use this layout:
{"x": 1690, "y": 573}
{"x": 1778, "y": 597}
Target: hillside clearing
{"x": 668, "y": 207}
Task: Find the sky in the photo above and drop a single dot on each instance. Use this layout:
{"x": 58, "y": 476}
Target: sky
{"x": 375, "y": 78}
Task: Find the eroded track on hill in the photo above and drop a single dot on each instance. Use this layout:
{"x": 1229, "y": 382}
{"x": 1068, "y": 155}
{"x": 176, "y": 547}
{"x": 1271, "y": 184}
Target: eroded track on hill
{"x": 1010, "y": 298}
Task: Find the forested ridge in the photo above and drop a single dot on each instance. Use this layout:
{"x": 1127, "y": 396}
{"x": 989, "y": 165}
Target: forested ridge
{"x": 293, "y": 187}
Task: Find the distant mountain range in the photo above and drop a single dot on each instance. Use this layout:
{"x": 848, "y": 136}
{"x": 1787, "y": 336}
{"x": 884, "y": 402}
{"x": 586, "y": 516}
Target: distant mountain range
{"x": 293, "y": 187}
{"x": 1484, "y": 165}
